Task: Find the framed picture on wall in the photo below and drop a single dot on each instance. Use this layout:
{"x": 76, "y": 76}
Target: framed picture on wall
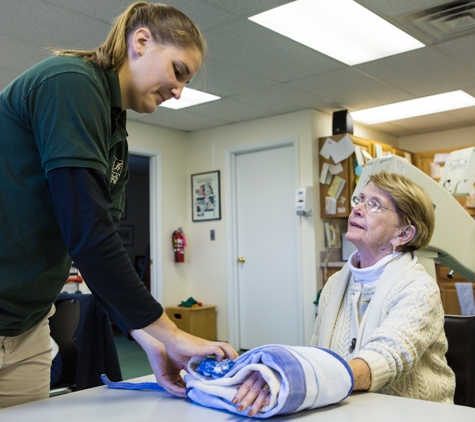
{"x": 205, "y": 196}
{"x": 127, "y": 235}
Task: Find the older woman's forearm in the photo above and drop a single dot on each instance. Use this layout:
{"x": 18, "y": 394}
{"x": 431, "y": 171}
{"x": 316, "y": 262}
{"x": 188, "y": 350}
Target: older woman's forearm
{"x": 361, "y": 374}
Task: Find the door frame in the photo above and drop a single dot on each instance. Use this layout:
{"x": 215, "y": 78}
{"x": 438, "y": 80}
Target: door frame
{"x": 231, "y": 230}
{"x": 156, "y": 224}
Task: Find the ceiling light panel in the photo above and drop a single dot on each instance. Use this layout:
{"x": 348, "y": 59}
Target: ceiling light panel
{"x": 189, "y": 97}
{"x": 341, "y": 29}
{"x": 413, "y": 108}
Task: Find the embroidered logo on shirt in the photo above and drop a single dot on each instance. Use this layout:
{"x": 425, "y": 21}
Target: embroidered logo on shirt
{"x": 116, "y": 170}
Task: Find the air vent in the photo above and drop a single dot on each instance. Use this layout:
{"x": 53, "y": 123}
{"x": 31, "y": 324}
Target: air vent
{"x": 442, "y": 23}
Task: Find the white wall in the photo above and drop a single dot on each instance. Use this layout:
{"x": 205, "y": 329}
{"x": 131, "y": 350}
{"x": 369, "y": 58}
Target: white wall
{"x": 173, "y": 146}
{"x": 204, "y": 273}
{"x": 206, "y": 150}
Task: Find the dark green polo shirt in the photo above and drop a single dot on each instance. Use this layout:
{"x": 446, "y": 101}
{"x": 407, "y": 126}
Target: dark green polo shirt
{"x": 62, "y": 112}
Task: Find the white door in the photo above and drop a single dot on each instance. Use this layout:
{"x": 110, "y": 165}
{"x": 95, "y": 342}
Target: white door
{"x": 267, "y": 227}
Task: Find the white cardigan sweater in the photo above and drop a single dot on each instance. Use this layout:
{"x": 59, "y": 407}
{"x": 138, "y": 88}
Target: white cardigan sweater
{"x": 401, "y": 336}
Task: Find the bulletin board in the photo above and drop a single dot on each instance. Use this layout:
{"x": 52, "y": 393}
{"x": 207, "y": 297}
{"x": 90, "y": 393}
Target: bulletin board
{"x": 331, "y": 189}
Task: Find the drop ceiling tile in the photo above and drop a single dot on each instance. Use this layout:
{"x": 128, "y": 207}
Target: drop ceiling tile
{"x": 431, "y": 123}
{"x": 351, "y": 89}
{"x": 48, "y": 25}
{"x": 461, "y": 50}
{"x": 6, "y": 76}
{"x": 248, "y": 7}
{"x": 230, "y": 111}
{"x": 224, "y": 80}
{"x": 20, "y": 55}
{"x": 393, "y": 129}
{"x": 420, "y": 72}
{"x": 397, "y": 8}
{"x": 466, "y": 114}
{"x": 102, "y": 10}
{"x": 284, "y": 98}
{"x": 180, "y": 120}
{"x": 266, "y": 53}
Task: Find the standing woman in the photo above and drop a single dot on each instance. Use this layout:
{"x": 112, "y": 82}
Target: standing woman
{"x": 63, "y": 171}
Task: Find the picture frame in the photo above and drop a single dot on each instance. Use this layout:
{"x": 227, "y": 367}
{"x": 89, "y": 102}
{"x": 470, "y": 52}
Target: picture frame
{"x": 127, "y": 235}
{"x": 206, "y": 196}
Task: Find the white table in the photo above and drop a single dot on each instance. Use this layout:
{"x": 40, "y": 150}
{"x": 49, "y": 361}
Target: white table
{"x": 103, "y": 404}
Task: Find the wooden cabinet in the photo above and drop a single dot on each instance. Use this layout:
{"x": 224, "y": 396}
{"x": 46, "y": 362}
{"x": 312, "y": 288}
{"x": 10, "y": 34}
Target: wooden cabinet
{"x": 448, "y": 293}
{"x": 423, "y": 161}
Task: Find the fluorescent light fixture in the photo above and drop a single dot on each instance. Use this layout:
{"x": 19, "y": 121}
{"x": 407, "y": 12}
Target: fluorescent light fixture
{"x": 341, "y": 29}
{"x": 414, "y": 108}
{"x": 189, "y": 97}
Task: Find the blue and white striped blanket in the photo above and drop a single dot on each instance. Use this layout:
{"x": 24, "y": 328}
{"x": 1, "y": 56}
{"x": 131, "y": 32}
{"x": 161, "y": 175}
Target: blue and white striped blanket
{"x": 299, "y": 378}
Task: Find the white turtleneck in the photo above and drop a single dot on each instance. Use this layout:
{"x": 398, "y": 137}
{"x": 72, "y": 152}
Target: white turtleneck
{"x": 362, "y": 287}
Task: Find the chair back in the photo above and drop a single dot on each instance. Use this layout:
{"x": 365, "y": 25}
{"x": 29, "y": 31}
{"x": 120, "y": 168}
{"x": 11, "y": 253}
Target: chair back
{"x": 63, "y": 326}
{"x": 460, "y": 332}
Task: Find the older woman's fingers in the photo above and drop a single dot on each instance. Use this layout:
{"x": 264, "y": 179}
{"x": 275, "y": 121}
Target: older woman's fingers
{"x": 248, "y": 387}
{"x": 254, "y": 396}
{"x": 261, "y": 401}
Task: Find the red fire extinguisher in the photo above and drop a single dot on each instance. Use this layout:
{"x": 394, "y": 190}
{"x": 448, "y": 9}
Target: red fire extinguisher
{"x": 179, "y": 243}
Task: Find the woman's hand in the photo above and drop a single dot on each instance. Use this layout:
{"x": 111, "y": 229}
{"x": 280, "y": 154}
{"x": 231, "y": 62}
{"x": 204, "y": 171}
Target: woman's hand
{"x": 165, "y": 368}
{"x": 169, "y": 350}
{"x": 182, "y": 346}
{"x": 254, "y": 393}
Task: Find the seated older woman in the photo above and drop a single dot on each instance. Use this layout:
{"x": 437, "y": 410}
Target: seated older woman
{"x": 382, "y": 312}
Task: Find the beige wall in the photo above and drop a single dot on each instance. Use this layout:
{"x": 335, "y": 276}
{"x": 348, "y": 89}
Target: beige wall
{"x": 204, "y": 275}
{"x": 208, "y": 258}
{"x": 463, "y": 137}
{"x": 173, "y": 146}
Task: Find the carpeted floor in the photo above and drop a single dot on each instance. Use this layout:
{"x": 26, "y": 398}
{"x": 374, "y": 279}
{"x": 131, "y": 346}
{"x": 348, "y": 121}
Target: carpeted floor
{"x": 133, "y": 360}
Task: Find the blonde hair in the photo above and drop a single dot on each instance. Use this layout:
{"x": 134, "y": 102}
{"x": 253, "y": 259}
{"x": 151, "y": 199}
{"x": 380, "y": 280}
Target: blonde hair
{"x": 168, "y": 26}
{"x": 413, "y": 206}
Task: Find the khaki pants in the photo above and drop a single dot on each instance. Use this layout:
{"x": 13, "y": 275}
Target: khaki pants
{"x": 25, "y": 365}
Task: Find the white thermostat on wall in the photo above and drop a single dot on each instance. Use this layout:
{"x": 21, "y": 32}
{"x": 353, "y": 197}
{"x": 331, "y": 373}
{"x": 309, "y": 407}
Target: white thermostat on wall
{"x": 304, "y": 201}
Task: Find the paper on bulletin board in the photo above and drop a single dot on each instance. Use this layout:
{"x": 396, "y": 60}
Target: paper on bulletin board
{"x": 379, "y": 151}
{"x": 330, "y": 205}
{"x": 336, "y": 187}
{"x": 325, "y": 151}
{"x": 359, "y": 156}
{"x": 338, "y": 168}
{"x": 366, "y": 155}
{"x": 407, "y": 156}
{"x": 324, "y": 173}
{"x": 341, "y": 209}
{"x": 341, "y": 150}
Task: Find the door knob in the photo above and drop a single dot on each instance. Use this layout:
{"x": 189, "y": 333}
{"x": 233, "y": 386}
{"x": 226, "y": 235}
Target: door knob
{"x": 241, "y": 260}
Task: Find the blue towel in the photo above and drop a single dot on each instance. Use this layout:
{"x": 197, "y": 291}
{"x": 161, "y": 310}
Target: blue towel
{"x": 299, "y": 378}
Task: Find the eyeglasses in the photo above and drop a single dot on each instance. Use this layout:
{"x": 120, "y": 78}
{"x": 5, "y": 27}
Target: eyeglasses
{"x": 371, "y": 206}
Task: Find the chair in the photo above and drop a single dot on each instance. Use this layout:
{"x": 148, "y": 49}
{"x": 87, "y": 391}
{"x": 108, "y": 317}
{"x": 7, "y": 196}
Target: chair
{"x": 82, "y": 330}
{"x": 460, "y": 332}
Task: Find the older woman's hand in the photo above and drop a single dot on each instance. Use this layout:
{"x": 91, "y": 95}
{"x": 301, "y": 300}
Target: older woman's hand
{"x": 253, "y": 392}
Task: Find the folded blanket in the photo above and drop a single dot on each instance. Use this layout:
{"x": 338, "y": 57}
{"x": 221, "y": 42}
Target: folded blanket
{"x": 298, "y": 377}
